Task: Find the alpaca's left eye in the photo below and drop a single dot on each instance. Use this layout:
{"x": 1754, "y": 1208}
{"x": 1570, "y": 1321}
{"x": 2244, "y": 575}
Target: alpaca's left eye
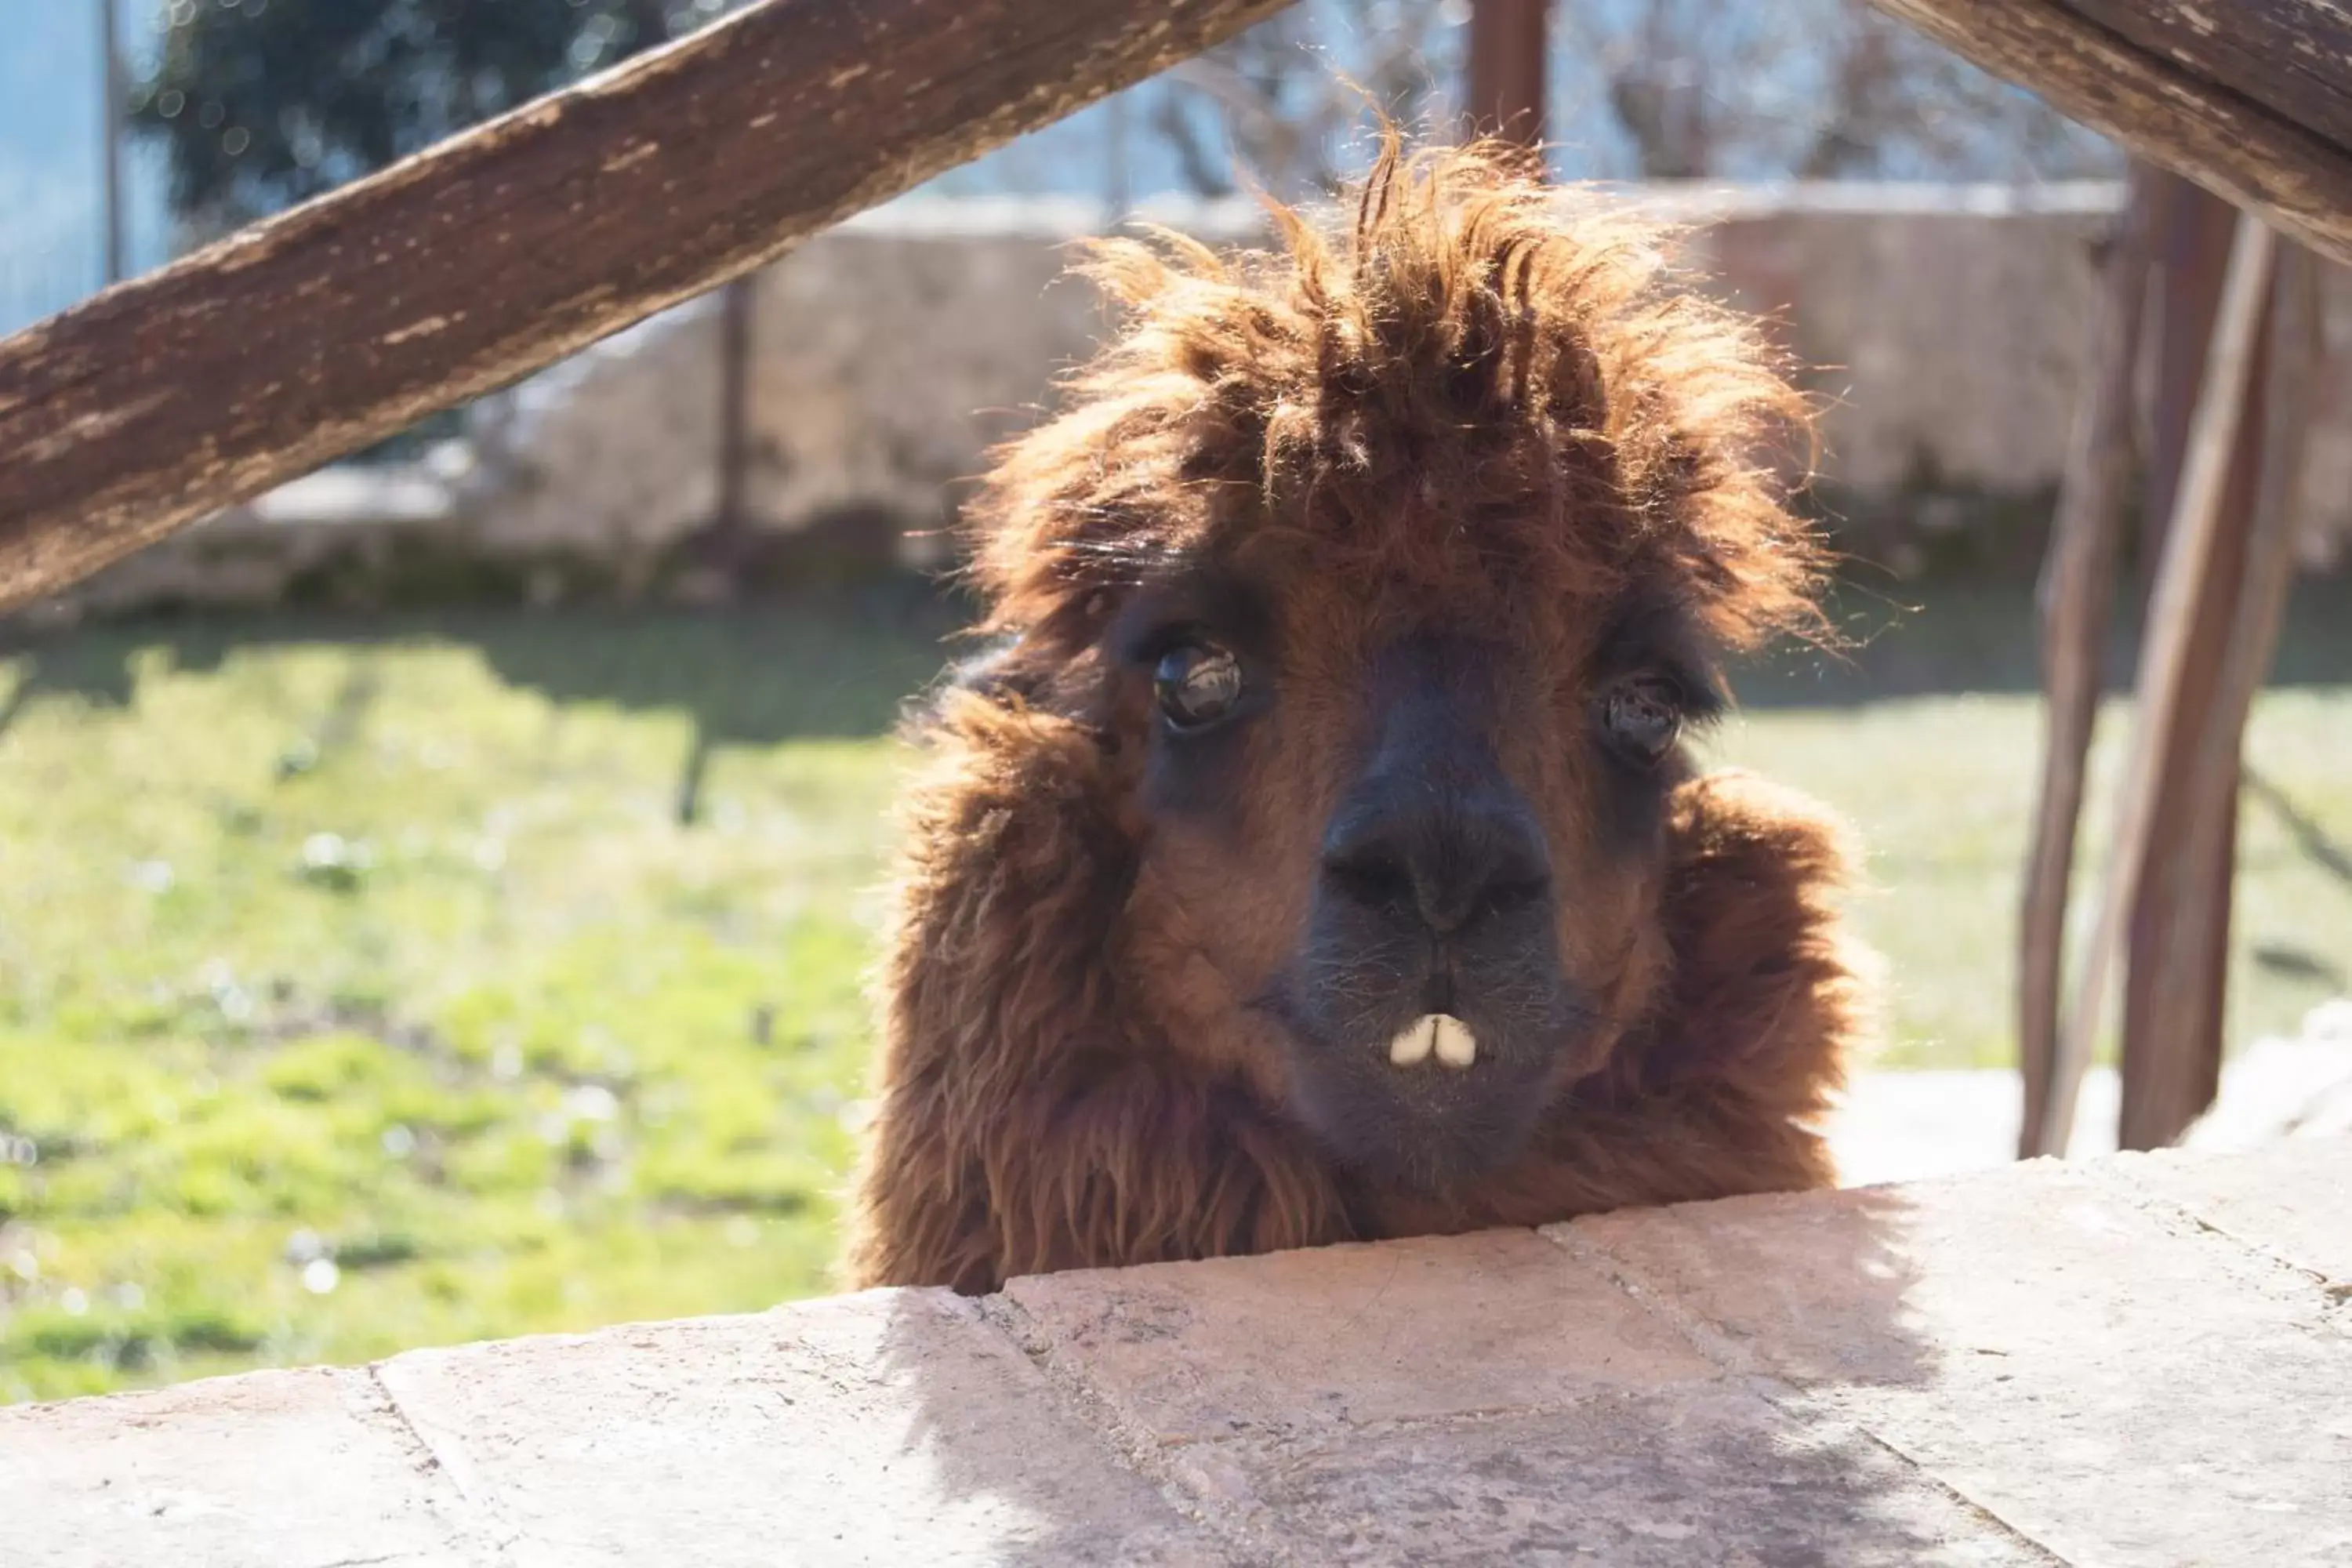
{"x": 1645, "y": 715}
{"x": 1198, "y": 685}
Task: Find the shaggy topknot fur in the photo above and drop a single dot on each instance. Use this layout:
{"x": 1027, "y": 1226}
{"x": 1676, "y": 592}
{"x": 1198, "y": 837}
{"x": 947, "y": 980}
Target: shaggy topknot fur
{"x": 1471, "y": 378}
{"x": 1512, "y": 347}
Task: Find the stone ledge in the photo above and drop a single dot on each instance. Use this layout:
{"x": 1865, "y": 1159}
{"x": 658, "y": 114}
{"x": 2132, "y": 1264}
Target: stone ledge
{"x": 2145, "y": 1360}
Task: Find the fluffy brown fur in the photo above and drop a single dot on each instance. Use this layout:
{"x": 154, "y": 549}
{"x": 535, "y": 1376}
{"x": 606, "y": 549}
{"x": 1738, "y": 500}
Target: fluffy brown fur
{"x": 1476, "y": 400}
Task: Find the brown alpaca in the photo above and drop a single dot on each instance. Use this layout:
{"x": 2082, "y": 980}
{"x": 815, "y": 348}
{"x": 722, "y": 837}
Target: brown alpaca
{"x": 1318, "y": 857}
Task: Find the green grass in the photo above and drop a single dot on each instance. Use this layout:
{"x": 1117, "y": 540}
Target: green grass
{"x": 395, "y": 954}
{"x": 362, "y": 989}
{"x": 1927, "y": 737}
{"x": 1939, "y": 790}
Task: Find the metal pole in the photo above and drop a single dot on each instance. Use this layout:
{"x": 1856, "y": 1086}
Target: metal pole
{"x": 111, "y": 102}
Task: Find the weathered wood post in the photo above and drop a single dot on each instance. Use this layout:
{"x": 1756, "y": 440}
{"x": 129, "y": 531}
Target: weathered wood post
{"x": 2176, "y": 947}
{"x": 2191, "y": 541}
{"x": 2076, "y": 594}
{"x": 2178, "y": 977}
{"x": 729, "y": 516}
{"x": 1505, "y": 91}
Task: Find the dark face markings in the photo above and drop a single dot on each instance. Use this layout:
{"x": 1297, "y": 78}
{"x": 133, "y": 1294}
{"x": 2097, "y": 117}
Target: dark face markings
{"x": 1356, "y": 836}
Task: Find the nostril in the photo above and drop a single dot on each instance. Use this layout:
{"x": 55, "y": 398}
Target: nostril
{"x": 1450, "y": 904}
{"x": 1443, "y": 870}
{"x": 1444, "y": 903}
{"x": 1511, "y": 893}
{"x": 1371, "y": 876}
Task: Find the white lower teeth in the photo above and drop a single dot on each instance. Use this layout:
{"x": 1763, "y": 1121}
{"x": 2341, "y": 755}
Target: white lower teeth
{"x": 1448, "y": 1037}
{"x": 1457, "y": 1046}
{"x": 1413, "y": 1042}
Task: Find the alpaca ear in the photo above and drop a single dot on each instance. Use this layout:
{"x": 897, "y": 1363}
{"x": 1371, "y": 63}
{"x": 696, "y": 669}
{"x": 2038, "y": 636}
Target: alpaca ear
{"x": 1023, "y": 670}
{"x": 998, "y": 673}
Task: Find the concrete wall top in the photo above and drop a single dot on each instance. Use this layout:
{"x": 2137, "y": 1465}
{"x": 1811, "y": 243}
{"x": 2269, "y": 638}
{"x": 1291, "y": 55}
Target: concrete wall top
{"x": 1238, "y": 217}
{"x": 2141, "y": 1360}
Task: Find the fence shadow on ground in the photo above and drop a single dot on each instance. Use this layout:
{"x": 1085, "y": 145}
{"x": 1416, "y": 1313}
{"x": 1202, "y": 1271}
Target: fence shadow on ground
{"x": 839, "y": 667}
{"x": 843, "y": 665}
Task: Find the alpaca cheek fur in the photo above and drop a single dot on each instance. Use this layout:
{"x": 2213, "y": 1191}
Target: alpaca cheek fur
{"x": 1193, "y": 973}
{"x": 1236, "y": 881}
{"x": 1609, "y": 867}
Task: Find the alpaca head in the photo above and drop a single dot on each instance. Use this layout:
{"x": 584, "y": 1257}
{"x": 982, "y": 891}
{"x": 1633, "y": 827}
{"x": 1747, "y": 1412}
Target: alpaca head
{"x": 1388, "y": 572}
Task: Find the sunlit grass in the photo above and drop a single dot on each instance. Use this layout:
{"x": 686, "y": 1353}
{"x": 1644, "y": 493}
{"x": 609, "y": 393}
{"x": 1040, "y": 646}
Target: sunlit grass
{"x": 363, "y": 991}
{"x": 362, "y": 995}
{"x": 1940, "y": 791}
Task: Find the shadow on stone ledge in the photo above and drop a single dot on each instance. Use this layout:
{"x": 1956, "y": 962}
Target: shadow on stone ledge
{"x": 1506, "y": 1397}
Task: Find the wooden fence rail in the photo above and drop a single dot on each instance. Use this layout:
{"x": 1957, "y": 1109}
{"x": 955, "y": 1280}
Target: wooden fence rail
{"x": 497, "y": 252}
{"x": 2252, "y": 100}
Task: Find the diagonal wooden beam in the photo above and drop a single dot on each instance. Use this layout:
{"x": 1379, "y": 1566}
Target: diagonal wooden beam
{"x": 496, "y": 253}
{"x": 2247, "y": 98}
{"x": 2295, "y": 56}
{"x": 2172, "y": 1053}
{"x": 2187, "y": 547}
{"x": 2174, "y": 957}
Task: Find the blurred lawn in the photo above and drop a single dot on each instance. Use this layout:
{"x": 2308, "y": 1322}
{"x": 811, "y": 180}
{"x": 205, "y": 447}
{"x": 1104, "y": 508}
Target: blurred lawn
{"x": 362, "y": 991}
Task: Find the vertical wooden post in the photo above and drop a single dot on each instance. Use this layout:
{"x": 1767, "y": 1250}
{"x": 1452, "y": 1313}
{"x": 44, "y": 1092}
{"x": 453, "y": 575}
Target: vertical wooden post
{"x": 2176, "y": 973}
{"x": 2188, "y": 548}
{"x": 2190, "y": 235}
{"x": 2077, "y": 592}
{"x": 1506, "y": 90}
{"x": 2176, "y": 942}
{"x": 2171, "y": 1077}
{"x": 735, "y": 328}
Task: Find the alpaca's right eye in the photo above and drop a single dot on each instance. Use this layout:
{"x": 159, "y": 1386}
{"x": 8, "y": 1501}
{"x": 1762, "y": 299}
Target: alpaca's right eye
{"x": 1198, "y": 685}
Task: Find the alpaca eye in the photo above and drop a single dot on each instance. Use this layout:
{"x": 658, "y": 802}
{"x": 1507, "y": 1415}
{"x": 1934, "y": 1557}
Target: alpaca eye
{"x": 1198, "y": 685}
{"x": 1645, "y": 715}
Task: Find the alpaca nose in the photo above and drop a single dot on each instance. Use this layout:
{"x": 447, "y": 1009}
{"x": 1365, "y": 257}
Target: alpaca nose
{"x": 1442, "y": 859}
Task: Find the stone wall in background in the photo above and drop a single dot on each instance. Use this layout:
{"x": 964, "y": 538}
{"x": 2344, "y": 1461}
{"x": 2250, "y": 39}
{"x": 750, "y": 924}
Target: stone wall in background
{"x": 888, "y": 354}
